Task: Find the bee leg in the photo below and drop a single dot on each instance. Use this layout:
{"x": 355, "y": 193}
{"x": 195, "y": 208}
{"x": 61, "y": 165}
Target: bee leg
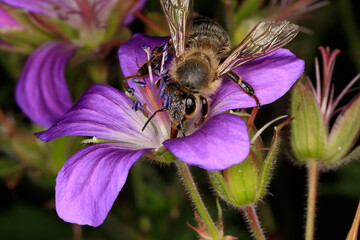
{"x": 247, "y": 88}
{"x": 204, "y": 111}
{"x": 174, "y": 132}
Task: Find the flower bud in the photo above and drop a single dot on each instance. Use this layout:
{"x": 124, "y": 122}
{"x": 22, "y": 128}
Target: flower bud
{"x": 313, "y": 137}
{"x": 308, "y": 128}
{"x": 243, "y": 184}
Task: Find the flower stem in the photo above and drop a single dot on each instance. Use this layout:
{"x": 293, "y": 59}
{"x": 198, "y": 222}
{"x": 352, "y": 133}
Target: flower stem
{"x": 195, "y": 196}
{"x": 254, "y": 222}
{"x": 77, "y": 232}
{"x": 313, "y": 172}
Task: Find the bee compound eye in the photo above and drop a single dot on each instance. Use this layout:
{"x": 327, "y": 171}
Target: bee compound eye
{"x": 190, "y": 105}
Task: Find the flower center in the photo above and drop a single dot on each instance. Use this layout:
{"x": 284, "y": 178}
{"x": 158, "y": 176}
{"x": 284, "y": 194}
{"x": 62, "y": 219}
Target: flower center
{"x": 82, "y": 12}
{"x": 152, "y": 93}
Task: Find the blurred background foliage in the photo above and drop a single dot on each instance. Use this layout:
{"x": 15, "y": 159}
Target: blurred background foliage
{"x": 152, "y": 204}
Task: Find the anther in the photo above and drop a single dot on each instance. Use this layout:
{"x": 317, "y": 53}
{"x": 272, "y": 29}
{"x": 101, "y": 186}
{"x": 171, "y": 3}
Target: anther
{"x": 164, "y": 72}
{"x": 136, "y": 105}
{"x": 162, "y": 89}
{"x": 166, "y": 102}
{"x": 146, "y": 49}
{"x": 157, "y": 73}
{"x": 138, "y": 82}
{"x": 166, "y": 46}
{"x": 131, "y": 91}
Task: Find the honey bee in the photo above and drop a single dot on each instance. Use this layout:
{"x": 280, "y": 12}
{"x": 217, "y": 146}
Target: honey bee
{"x": 203, "y": 55}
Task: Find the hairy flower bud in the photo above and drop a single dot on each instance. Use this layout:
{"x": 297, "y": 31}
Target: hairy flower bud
{"x": 308, "y": 128}
{"x": 312, "y": 135}
{"x": 245, "y": 183}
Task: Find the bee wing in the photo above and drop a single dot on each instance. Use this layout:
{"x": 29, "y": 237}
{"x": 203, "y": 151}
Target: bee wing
{"x": 177, "y": 13}
{"x": 264, "y": 38}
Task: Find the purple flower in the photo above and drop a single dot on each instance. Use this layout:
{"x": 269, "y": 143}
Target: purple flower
{"x": 90, "y": 180}
{"x": 7, "y": 22}
{"x": 8, "y": 25}
{"x": 41, "y": 91}
{"x": 76, "y": 12}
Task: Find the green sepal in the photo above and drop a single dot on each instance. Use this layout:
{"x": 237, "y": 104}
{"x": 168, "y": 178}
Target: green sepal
{"x": 308, "y": 128}
{"x": 270, "y": 159}
{"x": 243, "y": 180}
{"x": 344, "y": 132}
{"x": 220, "y": 186}
{"x": 238, "y": 184}
{"x": 352, "y": 156}
{"x": 162, "y": 155}
{"x": 245, "y": 183}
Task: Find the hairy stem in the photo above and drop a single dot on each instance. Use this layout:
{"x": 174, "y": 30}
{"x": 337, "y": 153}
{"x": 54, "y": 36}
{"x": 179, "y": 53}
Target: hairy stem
{"x": 254, "y": 222}
{"x": 313, "y": 172}
{"x": 196, "y": 199}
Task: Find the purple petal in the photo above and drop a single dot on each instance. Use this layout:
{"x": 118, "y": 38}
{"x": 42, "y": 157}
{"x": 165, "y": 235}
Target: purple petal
{"x": 221, "y": 142}
{"x": 130, "y": 14}
{"x": 271, "y": 77}
{"x": 8, "y": 22}
{"x": 104, "y": 112}
{"x": 41, "y": 91}
{"x": 132, "y": 56}
{"x": 45, "y": 7}
{"x": 90, "y": 181}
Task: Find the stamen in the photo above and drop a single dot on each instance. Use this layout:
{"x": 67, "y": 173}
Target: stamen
{"x": 165, "y": 52}
{"x": 162, "y": 89}
{"x": 136, "y": 105}
{"x": 264, "y": 127}
{"x": 157, "y": 73}
{"x": 166, "y": 46}
{"x": 146, "y": 49}
{"x": 164, "y": 72}
{"x": 166, "y": 102}
{"x": 138, "y": 82}
{"x": 131, "y": 91}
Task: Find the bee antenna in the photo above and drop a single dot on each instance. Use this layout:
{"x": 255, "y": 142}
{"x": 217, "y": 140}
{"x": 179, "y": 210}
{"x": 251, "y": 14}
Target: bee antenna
{"x": 152, "y": 116}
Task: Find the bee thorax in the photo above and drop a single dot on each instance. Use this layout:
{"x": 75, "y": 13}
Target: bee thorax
{"x": 195, "y": 72}
{"x": 192, "y": 74}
